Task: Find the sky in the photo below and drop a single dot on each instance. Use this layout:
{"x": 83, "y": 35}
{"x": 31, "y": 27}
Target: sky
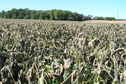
{"x": 104, "y": 8}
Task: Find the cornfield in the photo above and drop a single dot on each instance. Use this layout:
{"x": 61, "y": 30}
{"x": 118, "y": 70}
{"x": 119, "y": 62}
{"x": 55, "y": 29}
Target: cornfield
{"x": 56, "y": 53}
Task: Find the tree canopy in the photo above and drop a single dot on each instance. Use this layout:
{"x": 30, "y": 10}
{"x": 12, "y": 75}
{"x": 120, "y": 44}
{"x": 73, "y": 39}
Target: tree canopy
{"x": 48, "y": 15}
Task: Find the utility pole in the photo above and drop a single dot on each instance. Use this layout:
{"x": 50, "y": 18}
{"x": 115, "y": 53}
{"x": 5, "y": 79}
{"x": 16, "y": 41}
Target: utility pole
{"x": 117, "y": 14}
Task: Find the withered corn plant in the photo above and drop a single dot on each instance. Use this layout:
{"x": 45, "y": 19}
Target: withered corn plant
{"x": 52, "y": 53}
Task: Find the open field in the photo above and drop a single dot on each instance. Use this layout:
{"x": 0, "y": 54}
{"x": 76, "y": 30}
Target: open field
{"x": 62, "y": 52}
{"x": 54, "y": 21}
{"x": 104, "y": 21}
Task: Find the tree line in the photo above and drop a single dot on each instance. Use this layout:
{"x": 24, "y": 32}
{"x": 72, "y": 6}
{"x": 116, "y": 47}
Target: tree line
{"x": 48, "y": 15}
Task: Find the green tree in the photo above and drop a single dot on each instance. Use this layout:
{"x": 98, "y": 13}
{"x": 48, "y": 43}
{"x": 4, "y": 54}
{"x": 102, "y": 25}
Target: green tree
{"x": 14, "y": 13}
{"x": 44, "y": 15}
{"x": 98, "y": 18}
{"x": 86, "y": 18}
{"x": 52, "y": 16}
{"x": 110, "y": 18}
{"x": 2, "y": 13}
{"x": 21, "y": 14}
{"x": 27, "y": 14}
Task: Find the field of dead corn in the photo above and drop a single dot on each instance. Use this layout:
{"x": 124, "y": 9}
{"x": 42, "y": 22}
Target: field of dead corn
{"x": 35, "y": 52}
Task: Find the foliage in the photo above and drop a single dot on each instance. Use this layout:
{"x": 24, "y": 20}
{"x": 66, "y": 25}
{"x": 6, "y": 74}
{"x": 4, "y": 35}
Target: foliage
{"x": 98, "y": 18}
{"x": 109, "y": 18}
{"x": 52, "y": 53}
{"x": 48, "y": 15}
{"x": 102, "y": 18}
{"x": 45, "y": 15}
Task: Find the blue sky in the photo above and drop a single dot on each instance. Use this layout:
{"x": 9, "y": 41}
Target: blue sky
{"x": 87, "y": 7}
